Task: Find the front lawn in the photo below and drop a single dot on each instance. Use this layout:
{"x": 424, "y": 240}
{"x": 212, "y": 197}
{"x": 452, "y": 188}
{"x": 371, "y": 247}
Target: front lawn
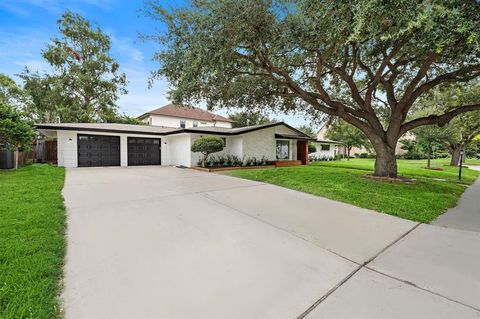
{"x": 32, "y": 223}
{"x": 433, "y": 193}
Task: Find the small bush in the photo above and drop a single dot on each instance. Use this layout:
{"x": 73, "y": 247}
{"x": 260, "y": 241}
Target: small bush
{"x": 206, "y": 146}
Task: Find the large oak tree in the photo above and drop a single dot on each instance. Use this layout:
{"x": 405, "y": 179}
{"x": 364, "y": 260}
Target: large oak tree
{"x": 364, "y": 61}
{"x": 86, "y": 80}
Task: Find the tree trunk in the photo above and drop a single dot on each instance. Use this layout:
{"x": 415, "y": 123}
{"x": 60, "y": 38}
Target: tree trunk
{"x": 429, "y": 155}
{"x": 455, "y": 155}
{"x": 385, "y": 162}
{"x": 348, "y": 153}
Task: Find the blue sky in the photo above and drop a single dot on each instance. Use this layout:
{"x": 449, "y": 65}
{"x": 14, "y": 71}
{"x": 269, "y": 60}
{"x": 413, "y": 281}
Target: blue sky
{"x": 26, "y": 26}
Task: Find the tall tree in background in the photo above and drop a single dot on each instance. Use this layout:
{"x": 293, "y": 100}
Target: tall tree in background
{"x": 462, "y": 129}
{"x": 430, "y": 135}
{"x": 248, "y": 118}
{"x": 86, "y": 81}
{"x": 16, "y": 130}
{"x": 10, "y": 92}
{"x": 347, "y": 134}
{"x": 366, "y": 62}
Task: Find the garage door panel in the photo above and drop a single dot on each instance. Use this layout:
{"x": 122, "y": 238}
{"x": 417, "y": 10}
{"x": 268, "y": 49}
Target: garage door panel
{"x": 143, "y": 151}
{"x": 98, "y": 150}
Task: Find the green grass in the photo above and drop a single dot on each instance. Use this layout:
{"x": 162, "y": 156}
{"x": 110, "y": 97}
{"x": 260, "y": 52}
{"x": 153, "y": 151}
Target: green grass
{"x": 32, "y": 224}
{"x": 344, "y": 181}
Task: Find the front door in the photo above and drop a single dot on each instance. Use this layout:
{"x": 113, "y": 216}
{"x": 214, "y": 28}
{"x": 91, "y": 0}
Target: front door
{"x": 302, "y": 152}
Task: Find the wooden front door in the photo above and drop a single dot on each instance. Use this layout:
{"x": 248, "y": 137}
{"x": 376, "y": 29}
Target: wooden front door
{"x": 302, "y": 151}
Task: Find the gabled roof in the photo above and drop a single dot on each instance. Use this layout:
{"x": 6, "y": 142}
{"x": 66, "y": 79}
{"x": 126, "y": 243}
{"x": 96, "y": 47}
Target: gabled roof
{"x": 161, "y": 130}
{"x": 186, "y": 112}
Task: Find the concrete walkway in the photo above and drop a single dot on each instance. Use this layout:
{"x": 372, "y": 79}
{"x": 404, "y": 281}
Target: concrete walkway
{"x": 466, "y": 215}
{"x": 161, "y": 242}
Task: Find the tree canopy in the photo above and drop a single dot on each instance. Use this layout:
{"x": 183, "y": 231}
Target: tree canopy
{"x": 461, "y": 131}
{"x": 366, "y": 62}
{"x": 248, "y": 118}
{"x": 86, "y": 81}
{"x": 347, "y": 134}
{"x": 16, "y": 131}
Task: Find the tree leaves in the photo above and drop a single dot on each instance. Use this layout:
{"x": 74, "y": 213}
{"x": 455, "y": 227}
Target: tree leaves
{"x": 85, "y": 83}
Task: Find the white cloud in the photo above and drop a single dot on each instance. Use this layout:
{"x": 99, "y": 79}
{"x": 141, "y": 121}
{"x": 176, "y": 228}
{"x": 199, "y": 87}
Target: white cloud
{"x": 126, "y": 47}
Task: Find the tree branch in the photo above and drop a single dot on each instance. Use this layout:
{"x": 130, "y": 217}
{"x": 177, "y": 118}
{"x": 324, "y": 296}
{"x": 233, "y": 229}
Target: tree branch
{"x": 438, "y": 119}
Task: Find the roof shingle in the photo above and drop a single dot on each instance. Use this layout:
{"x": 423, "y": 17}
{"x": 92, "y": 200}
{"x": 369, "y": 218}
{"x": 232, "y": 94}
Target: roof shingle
{"x": 188, "y": 113}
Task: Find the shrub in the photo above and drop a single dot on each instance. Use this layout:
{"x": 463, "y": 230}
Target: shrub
{"x": 206, "y": 146}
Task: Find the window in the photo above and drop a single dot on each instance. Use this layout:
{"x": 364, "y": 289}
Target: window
{"x": 182, "y": 124}
{"x": 283, "y": 149}
{"x": 203, "y": 123}
{"x": 195, "y": 123}
{"x": 325, "y": 147}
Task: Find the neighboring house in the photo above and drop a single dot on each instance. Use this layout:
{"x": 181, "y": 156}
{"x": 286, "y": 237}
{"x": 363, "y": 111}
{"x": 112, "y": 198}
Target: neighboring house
{"x": 109, "y": 144}
{"x": 341, "y": 150}
{"x": 325, "y": 149}
{"x": 184, "y": 117}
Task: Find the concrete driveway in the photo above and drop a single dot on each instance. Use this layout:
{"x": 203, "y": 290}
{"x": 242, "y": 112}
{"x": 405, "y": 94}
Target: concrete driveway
{"x": 163, "y": 242}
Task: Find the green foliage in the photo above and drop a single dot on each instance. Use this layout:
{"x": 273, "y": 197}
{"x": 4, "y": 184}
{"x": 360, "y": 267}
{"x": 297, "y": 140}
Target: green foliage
{"x": 228, "y": 160}
{"x": 212, "y": 50}
{"x": 86, "y": 80}
{"x": 16, "y": 132}
{"x": 124, "y": 119}
{"x": 10, "y": 92}
{"x": 347, "y": 134}
{"x": 412, "y": 148}
{"x": 312, "y": 148}
{"x": 32, "y": 241}
{"x": 207, "y": 145}
{"x": 248, "y": 118}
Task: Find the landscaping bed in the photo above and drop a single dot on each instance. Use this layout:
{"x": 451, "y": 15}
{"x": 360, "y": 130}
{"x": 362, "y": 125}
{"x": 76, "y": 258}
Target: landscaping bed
{"x": 431, "y": 195}
{"x": 229, "y": 168}
{"x": 32, "y": 225}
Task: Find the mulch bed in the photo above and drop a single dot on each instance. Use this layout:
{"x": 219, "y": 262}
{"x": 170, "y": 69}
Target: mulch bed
{"x": 229, "y": 168}
{"x": 399, "y": 179}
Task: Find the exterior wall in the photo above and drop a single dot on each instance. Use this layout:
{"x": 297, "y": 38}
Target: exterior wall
{"x": 177, "y": 150}
{"x": 263, "y": 143}
{"x": 171, "y": 121}
{"x": 67, "y": 152}
{"x": 323, "y": 154}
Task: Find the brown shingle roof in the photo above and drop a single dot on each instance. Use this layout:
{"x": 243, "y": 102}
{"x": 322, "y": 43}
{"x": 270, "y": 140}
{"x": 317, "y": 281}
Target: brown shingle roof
{"x": 187, "y": 113}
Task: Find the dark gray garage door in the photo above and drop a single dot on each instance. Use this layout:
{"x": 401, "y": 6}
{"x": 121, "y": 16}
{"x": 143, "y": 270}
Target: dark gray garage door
{"x": 98, "y": 150}
{"x": 143, "y": 151}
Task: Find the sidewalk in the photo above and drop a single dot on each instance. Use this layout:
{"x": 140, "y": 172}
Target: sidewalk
{"x": 466, "y": 215}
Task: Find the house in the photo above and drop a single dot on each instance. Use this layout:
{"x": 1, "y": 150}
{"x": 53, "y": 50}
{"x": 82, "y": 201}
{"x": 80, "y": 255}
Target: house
{"x": 325, "y": 149}
{"x": 111, "y": 144}
{"x": 185, "y": 117}
{"x": 341, "y": 149}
